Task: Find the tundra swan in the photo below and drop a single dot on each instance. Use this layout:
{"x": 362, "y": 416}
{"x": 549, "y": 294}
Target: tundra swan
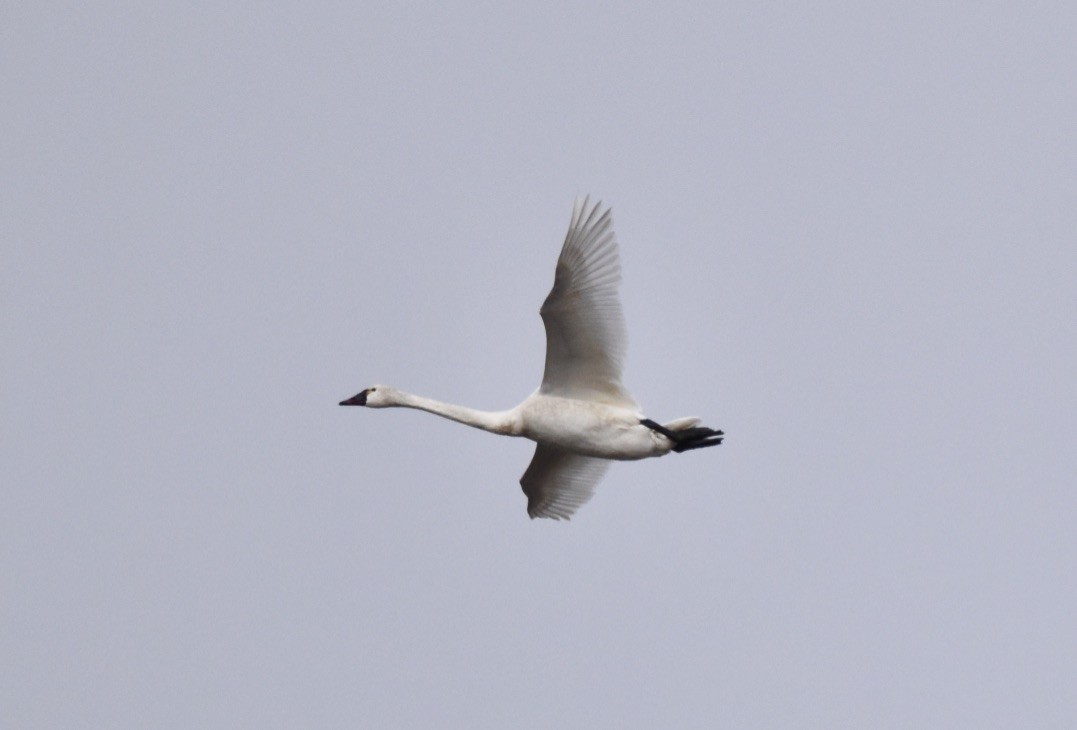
{"x": 581, "y": 416}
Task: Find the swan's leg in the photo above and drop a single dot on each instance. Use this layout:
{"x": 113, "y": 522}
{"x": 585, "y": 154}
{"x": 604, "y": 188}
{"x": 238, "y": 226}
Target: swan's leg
{"x": 689, "y": 438}
{"x": 659, "y": 428}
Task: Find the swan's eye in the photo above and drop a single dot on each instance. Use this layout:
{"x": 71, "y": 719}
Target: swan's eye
{"x": 373, "y": 389}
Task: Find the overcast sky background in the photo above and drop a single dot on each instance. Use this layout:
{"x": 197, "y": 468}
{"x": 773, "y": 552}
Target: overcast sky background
{"x": 849, "y": 236}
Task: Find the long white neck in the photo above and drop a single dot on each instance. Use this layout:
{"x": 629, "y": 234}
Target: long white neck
{"x": 501, "y": 422}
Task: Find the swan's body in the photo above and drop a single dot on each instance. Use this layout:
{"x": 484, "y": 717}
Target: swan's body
{"x": 581, "y": 416}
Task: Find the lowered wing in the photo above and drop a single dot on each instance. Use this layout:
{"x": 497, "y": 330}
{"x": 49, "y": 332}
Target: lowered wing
{"x": 558, "y": 482}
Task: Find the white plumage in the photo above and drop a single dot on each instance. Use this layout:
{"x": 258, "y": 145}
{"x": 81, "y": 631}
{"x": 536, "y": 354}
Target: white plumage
{"x": 581, "y": 416}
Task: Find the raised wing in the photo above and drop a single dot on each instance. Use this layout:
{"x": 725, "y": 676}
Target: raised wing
{"x": 558, "y": 482}
{"x": 585, "y": 328}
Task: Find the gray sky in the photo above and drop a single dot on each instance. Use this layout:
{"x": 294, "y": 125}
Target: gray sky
{"x": 849, "y": 237}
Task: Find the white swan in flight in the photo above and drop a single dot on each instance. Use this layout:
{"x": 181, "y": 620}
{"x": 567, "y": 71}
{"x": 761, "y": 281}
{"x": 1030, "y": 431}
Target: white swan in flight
{"x": 581, "y": 416}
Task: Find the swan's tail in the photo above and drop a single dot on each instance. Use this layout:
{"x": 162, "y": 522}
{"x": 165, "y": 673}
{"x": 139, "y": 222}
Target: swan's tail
{"x": 682, "y": 423}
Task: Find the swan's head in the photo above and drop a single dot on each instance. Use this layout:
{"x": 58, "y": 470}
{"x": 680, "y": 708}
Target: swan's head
{"x": 377, "y": 396}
